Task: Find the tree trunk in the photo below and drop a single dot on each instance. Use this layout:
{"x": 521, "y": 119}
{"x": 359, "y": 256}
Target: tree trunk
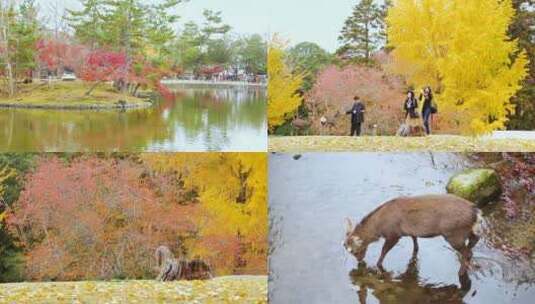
{"x": 5, "y": 45}
{"x": 127, "y": 47}
{"x": 135, "y": 89}
{"x": 92, "y": 88}
{"x": 367, "y": 42}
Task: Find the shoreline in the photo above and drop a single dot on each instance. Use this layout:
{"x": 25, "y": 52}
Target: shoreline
{"x": 141, "y": 104}
{"x": 216, "y": 278}
{"x": 213, "y": 83}
{"x": 50, "y": 106}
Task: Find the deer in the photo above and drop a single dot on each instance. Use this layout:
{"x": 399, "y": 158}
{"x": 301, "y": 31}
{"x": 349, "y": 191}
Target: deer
{"x": 329, "y": 121}
{"x": 425, "y": 216}
{"x": 300, "y": 124}
{"x": 172, "y": 269}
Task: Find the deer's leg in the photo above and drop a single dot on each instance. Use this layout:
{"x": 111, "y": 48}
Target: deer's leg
{"x": 166, "y": 272}
{"x": 363, "y": 294}
{"x": 389, "y": 244}
{"x": 459, "y": 244}
{"x": 472, "y": 240}
{"x": 415, "y": 246}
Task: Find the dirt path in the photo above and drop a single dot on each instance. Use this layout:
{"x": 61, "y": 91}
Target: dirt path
{"x": 437, "y": 143}
{"x": 230, "y": 289}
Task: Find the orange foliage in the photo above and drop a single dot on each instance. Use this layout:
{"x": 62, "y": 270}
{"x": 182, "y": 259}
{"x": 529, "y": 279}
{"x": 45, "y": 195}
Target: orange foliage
{"x": 231, "y": 188}
{"x": 102, "y": 218}
{"x": 333, "y": 92}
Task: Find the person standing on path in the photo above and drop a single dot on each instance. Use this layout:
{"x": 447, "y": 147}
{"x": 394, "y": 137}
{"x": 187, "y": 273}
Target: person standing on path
{"x": 412, "y": 119}
{"x": 410, "y": 106}
{"x": 357, "y": 116}
{"x": 428, "y": 108}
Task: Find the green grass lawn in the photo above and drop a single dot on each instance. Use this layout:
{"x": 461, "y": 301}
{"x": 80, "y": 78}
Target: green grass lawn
{"x": 69, "y": 94}
{"x": 231, "y": 289}
{"x": 437, "y": 143}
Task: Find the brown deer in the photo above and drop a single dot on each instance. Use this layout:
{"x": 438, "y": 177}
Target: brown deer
{"x": 299, "y": 125}
{"x": 329, "y": 121}
{"x": 172, "y": 269}
{"x": 426, "y": 216}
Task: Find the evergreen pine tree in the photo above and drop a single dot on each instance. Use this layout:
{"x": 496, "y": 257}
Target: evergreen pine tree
{"x": 363, "y": 31}
{"x": 19, "y": 32}
{"x": 88, "y": 23}
{"x": 25, "y": 36}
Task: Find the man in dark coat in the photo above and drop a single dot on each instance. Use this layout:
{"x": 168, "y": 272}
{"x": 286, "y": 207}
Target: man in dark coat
{"x": 357, "y": 116}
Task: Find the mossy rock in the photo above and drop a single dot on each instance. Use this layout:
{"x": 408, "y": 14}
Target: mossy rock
{"x": 479, "y": 186}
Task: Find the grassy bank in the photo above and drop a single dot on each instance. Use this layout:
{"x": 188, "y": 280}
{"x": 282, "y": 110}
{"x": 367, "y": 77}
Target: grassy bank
{"x": 437, "y": 143}
{"x": 232, "y": 289}
{"x": 70, "y": 95}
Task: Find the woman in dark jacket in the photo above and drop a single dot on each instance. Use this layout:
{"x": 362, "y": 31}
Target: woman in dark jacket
{"x": 427, "y": 108}
{"x": 412, "y": 120}
{"x": 410, "y": 105}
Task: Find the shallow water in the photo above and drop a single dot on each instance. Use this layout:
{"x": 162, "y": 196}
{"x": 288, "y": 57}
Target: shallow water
{"x": 309, "y": 199}
{"x": 200, "y": 118}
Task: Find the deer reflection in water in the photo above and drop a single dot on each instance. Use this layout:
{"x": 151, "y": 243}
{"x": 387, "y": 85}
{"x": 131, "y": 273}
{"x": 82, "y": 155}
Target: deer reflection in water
{"x": 406, "y": 287}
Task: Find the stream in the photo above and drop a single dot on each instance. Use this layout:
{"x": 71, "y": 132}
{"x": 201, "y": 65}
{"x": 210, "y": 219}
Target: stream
{"x": 311, "y": 194}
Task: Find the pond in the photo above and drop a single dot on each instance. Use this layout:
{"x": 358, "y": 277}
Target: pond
{"x": 200, "y": 118}
{"x": 311, "y": 195}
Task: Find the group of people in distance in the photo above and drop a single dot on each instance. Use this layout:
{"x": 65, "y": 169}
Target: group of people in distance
{"x": 412, "y": 117}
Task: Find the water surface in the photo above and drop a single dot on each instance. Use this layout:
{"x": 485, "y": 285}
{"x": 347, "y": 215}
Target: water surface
{"x": 200, "y": 118}
{"x": 309, "y": 199}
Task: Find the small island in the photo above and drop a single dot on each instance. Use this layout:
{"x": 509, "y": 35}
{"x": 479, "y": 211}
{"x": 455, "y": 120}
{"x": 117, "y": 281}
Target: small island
{"x": 72, "y": 95}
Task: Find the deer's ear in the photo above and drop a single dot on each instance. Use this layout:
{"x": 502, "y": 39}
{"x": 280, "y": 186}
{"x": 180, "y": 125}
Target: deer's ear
{"x": 349, "y": 226}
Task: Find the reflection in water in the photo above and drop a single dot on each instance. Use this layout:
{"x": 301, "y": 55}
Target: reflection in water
{"x": 309, "y": 198}
{"x": 199, "y": 119}
{"x": 407, "y": 287}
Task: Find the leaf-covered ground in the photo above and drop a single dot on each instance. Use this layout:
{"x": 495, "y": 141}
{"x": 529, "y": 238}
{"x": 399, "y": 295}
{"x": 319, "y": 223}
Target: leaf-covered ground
{"x": 231, "y": 289}
{"x": 437, "y": 143}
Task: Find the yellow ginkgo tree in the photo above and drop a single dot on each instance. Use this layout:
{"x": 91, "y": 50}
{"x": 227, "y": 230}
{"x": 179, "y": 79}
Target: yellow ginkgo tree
{"x": 459, "y": 48}
{"x": 232, "y": 191}
{"x": 283, "y": 86}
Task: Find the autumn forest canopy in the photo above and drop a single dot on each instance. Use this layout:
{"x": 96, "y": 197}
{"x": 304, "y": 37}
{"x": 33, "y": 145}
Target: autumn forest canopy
{"x": 477, "y": 56}
{"x": 132, "y": 43}
{"x": 101, "y": 216}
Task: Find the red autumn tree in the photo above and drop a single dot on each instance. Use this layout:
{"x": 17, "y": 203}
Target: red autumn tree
{"x": 209, "y": 71}
{"x": 97, "y": 218}
{"x": 101, "y": 65}
{"x": 57, "y": 55}
{"x": 147, "y": 75}
{"x": 332, "y": 95}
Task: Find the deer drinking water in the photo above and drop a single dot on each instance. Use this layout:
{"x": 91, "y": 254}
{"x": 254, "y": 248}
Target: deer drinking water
{"x": 427, "y": 216}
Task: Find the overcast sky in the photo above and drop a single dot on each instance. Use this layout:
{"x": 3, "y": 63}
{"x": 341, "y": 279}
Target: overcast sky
{"x": 318, "y": 21}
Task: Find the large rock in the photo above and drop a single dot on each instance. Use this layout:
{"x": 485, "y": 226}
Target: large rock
{"x": 476, "y": 185}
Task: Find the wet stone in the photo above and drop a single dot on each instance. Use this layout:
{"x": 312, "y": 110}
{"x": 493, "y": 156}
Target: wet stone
{"x": 479, "y": 186}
